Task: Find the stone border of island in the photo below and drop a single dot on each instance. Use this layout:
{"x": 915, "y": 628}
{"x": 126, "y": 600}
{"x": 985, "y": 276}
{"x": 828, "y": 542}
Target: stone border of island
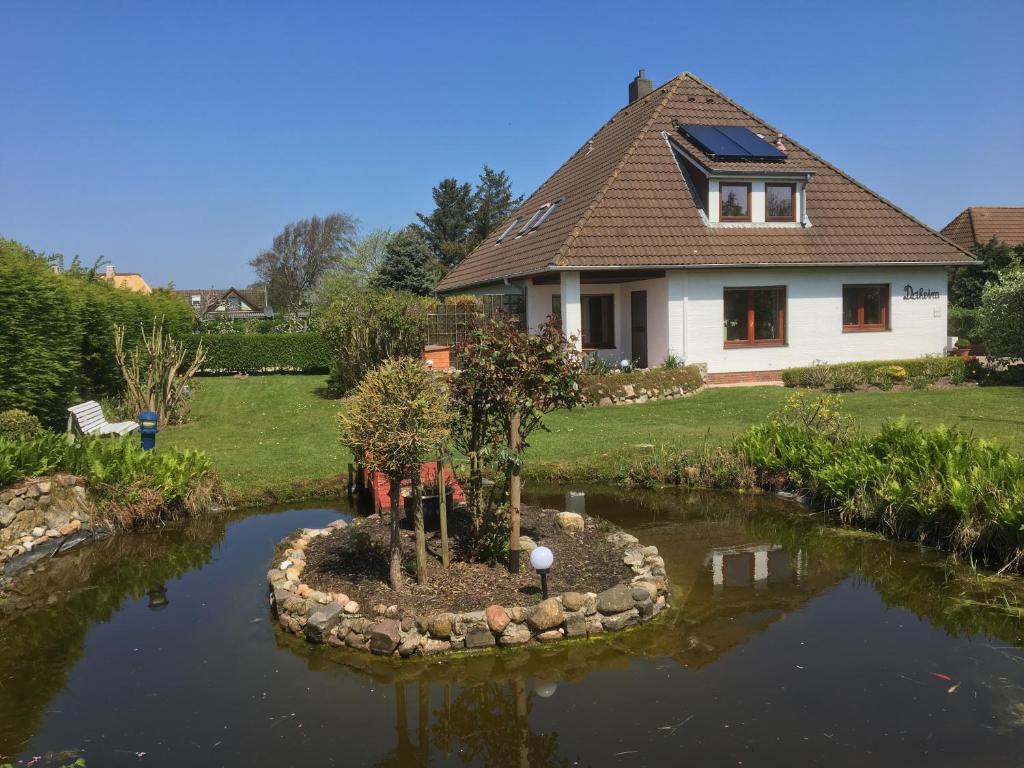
{"x": 40, "y": 510}
{"x": 334, "y": 619}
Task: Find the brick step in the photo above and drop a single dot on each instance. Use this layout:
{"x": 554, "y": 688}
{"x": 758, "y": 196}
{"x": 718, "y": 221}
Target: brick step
{"x": 740, "y": 378}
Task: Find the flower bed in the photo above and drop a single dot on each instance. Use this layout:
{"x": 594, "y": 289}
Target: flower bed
{"x": 617, "y": 387}
{"x": 414, "y": 625}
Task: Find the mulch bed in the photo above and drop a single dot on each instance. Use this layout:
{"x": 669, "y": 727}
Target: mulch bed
{"x": 354, "y": 560}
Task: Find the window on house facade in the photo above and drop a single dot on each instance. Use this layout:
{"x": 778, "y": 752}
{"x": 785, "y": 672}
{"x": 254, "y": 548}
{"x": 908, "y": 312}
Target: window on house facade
{"x": 780, "y": 202}
{"x": 598, "y": 321}
{"x": 865, "y": 307}
{"x": 755, "y": 316}
{"x": 734, "y": 202}
{"x": 556, "y": 308}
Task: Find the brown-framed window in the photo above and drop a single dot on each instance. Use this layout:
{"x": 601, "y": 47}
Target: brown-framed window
{"x": 755, "y": 316}
{"x": 780, "y": 202}
{"x": 598, "y": 321}
{"x": 734, "y": 201}
{"x": 865, "y": 307}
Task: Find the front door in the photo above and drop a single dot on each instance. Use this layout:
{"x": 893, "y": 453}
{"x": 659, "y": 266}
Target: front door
{"x": 638, "y": 327}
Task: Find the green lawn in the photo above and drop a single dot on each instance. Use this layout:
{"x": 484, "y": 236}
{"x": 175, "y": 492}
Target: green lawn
{"x": 263, "y": 431}
{"x": 273, "y": 431}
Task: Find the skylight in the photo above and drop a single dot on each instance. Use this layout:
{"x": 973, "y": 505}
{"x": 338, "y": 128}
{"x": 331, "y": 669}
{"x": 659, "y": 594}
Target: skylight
{"x": 533, "y": 220}
{"x": 509, "y": 228}
{"x": 547, "y": 213}
{"x": 543, "y": 214}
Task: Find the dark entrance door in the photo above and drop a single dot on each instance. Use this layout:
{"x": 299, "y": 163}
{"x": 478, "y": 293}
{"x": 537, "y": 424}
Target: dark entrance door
{"x": 638, "y": 327}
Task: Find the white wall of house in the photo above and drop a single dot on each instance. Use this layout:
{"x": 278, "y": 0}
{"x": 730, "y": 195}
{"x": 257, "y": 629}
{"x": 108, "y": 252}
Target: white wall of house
{"x": 538, "y": 307}
{"x": 814, "y": 323}
{"x": 686, "y": 314}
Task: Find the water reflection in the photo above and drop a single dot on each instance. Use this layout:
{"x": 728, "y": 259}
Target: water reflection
{"x": 160, "y": 642}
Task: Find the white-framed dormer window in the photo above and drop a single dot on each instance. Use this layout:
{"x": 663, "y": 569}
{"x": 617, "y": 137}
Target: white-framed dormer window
{"x": 779, "y": 202}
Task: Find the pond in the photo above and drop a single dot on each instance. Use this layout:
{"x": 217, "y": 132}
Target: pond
{"x": 790, "y": 644}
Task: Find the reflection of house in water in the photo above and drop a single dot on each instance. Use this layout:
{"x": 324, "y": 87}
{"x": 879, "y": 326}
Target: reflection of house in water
{"x": 758, "y": 565}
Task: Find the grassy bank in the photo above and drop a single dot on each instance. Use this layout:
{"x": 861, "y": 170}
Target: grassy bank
{"x": 277, "y": 433}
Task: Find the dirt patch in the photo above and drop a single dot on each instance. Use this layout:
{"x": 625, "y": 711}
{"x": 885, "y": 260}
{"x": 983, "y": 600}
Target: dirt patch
{"x": 354, "y": 560}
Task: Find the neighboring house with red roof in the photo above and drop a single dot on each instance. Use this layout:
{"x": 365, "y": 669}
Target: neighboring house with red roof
{"x": 211, "y": 303}
{"x": 688, "y": 226}
{"x": 978, "y": 224}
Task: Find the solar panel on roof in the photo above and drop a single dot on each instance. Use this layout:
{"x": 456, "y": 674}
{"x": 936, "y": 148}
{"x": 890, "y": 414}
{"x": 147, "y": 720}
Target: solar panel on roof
{"x": 730, "y": 142}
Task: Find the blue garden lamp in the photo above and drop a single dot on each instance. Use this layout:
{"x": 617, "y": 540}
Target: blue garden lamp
{"x": 149, "y": 423}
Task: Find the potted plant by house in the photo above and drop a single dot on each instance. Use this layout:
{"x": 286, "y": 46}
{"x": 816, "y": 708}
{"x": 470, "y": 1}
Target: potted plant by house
{"x": 963, "y": 348}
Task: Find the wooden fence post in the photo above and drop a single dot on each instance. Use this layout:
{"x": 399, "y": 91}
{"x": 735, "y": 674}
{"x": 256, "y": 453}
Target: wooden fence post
{"x": 442, "y": 510}
{"x": 514, "y": 496}
{"x": 417, "y": 516}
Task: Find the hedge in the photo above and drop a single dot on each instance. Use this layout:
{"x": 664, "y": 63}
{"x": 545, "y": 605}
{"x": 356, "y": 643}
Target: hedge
{"x": 57, "y": 333}
{"x": 819, "y": 375}
{"x": 263, "y": 352}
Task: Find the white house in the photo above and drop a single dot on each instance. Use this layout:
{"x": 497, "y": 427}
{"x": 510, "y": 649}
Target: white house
{"x": 687, "y": 226}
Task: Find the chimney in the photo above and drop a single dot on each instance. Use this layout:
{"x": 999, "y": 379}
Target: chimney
{"x": 110, "y": 272}
{"x": 639, "y": 87}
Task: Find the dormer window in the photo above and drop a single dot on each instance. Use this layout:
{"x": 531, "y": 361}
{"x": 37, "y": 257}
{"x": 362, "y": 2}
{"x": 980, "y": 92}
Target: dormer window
{"x": 734, "y": 201}
{"x": 780, "y": 202}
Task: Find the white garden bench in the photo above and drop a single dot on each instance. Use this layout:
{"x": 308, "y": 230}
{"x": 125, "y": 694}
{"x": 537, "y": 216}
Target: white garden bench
{"x": 89, "y": 419}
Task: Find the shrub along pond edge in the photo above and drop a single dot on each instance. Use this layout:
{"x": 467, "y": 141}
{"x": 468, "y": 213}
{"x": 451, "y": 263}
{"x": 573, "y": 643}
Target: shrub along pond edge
{"x": 334, "y": 619}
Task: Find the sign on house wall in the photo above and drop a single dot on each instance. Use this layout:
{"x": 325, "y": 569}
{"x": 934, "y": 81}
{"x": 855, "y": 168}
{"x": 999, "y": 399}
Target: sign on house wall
{"x": 909, "y": 294}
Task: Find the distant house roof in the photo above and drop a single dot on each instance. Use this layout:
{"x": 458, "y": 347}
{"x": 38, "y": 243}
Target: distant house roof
{"x": 623, "y": 202}
{"x": 131, "y": 281}
{"x": 230, "y": 302}
{"x": 979, "y": 224}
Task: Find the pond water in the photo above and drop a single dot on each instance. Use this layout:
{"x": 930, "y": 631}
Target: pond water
{"x": 789, "y": 644}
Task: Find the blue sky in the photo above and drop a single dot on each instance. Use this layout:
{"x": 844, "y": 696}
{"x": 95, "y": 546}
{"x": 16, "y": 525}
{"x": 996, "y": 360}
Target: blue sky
{"x": 177, "y": 139}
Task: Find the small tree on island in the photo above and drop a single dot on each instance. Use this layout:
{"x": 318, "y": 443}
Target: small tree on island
{"x": 396, "y": 419}
{"x": 509, "y": 380}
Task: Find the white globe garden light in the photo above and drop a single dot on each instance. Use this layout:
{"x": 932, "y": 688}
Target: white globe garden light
{"x": 542, "y": 559}
{"x": 623, "y": 364}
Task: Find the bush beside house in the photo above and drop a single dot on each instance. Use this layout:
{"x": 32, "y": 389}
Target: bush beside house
{"x": 364, "y": 329}
{"x": 845, "y": 377}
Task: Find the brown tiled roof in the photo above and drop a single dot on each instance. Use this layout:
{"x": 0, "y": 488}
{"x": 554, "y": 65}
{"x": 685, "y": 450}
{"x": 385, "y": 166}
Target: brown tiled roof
{"x": 625, "y": 203}
{"x": 977, "y": 225}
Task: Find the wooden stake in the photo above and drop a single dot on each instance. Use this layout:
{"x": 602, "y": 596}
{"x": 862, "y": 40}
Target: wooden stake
{"x": 395, "y": 565}
{"x": 417, "y": 516}
{"x": 442, "y": 512}
{"x": 514, "y": 496}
